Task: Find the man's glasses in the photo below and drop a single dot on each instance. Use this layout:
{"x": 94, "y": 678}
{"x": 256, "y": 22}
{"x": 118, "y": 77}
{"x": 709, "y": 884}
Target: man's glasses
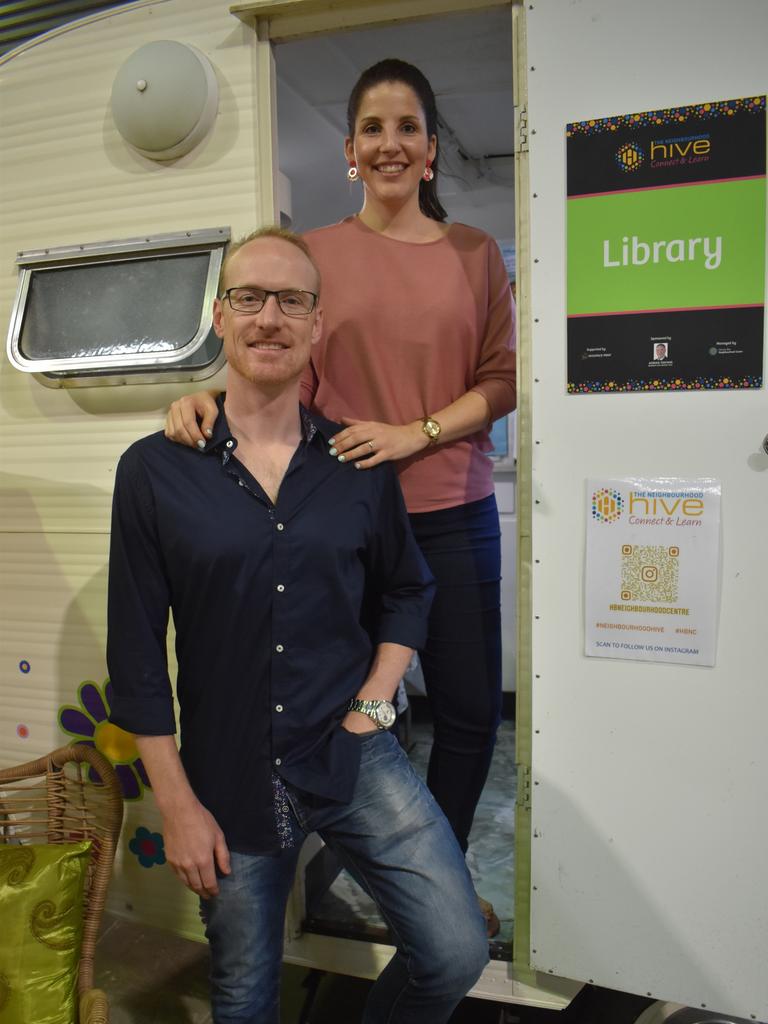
{"x": 291, "y": 301}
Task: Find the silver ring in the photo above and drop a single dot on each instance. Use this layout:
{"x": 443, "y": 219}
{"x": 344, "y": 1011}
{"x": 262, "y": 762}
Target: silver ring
{"x": 370, "y": 445}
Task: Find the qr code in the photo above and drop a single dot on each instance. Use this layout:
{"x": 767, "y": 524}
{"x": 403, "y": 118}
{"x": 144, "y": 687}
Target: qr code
{"x": 649, "y": 573}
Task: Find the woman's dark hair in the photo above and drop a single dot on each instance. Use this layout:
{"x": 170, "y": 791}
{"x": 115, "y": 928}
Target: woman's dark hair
{"x": 392, "y": 70}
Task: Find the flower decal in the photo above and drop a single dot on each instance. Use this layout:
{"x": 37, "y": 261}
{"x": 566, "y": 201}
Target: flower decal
{"x": 89, "y": 724}
{"x": 147, "y": 847}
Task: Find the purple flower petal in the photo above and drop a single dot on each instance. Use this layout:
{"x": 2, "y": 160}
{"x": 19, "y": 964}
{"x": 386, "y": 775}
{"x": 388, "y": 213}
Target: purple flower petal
{"x": 94, "y": 776}
{"x": 141, "y": 771}
{"x": 128, "y": 782}
{"x": 73, "y": 721}
{"x": 109, "y": 694}
{"x": 93, "y": 702}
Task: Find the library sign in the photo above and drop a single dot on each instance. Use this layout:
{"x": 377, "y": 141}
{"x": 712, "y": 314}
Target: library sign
{"x": 666, "y": 249}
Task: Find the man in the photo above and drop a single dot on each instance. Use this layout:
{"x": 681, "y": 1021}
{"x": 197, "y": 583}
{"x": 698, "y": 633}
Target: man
{"x": 298, "y": 595}
{"x": 660, "y": 351}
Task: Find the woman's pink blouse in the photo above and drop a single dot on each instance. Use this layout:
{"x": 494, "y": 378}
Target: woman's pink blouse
{"x": 408, "y": 329}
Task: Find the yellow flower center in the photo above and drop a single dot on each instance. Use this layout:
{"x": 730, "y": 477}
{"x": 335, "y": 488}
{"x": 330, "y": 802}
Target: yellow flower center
{"x": 115, "y": 743}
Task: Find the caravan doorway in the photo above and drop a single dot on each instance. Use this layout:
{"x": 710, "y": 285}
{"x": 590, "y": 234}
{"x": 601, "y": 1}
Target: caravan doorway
{"x": 468, "y": 59}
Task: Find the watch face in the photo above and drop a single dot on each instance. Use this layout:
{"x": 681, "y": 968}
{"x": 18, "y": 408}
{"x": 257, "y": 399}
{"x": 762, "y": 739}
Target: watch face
{"x": 432, "y": 428}
{"x": 386, "y": 715}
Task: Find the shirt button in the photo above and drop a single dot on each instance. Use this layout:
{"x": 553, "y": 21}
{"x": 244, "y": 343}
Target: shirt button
{"x": 230, "y": 444}
{"x": 278, "y": 761}
{"x": 280, "y": 526}
{"x": 279, "y": 648}
{"x": 280, "y": 588}
{"x": 278, "y": 707}
{"x": 241, "y": 483}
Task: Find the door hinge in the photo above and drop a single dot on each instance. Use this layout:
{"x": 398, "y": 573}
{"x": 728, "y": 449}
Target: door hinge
{"x": 522, "y": 130}
{"x": 524, "y": 786}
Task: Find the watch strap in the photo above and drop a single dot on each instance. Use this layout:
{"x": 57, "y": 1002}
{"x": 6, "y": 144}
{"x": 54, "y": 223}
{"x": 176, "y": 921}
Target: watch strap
{"x": 369, "y": 708}
{"x": 431, "y": 428}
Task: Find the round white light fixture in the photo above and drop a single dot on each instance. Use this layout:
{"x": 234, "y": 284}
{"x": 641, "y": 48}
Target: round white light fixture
{"x": 164, "y": 99}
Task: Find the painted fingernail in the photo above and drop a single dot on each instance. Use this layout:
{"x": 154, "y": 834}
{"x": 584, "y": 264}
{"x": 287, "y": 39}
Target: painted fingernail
{"x": 201, "y": 445}
{"x": 208, "y": 432}
{"x": 357, "y": 465}
{"x": 332, "y": 441}
{"x": 331, "y": 451}
{"x": 342, "y": 458}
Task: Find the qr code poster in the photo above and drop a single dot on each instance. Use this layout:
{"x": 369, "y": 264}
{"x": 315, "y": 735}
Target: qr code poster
{"x": 652, "y": 565}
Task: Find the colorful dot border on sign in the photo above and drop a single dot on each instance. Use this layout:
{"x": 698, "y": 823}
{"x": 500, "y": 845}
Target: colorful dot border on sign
{"x": 24, "y": 666}
{"x": 670, "y": 115}
{"x": 592, "y": 387}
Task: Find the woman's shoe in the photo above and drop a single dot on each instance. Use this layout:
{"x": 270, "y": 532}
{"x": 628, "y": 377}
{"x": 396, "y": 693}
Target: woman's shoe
{"x": 492, "y": 923}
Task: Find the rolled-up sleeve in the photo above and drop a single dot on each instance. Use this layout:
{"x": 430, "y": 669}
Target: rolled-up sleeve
{"x": 139, "y": 598}
{"x": 495, "y": 378}
{"x": 399, "y": 573}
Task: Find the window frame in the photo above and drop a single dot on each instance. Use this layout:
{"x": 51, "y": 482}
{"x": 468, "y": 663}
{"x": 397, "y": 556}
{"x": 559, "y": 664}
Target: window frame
{"x": 146, "y": 367}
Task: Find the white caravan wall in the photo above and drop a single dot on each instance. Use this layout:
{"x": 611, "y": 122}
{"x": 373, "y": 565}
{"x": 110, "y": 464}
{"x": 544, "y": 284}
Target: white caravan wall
{"x": 649, "y": 868}
{"x": 68, "y": 177}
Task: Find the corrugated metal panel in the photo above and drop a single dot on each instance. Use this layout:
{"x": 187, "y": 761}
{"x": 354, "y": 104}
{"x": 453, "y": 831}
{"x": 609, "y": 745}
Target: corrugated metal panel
{"x": 54, "y": 623}
{"x": 53, "y": 612}
{"x": 67, "y": 176}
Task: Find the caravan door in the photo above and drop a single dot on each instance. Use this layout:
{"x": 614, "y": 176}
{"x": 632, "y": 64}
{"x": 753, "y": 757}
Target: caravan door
{"x": 649, "y": 869}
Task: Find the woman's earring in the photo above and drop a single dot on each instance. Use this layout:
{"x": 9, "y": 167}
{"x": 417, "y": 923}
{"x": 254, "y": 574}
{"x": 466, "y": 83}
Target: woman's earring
{"x": 428, "y": 174}
{"x": 353, "y": 174}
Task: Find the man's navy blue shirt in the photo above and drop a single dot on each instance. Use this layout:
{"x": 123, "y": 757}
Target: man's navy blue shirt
{"x": 278, "y": 609}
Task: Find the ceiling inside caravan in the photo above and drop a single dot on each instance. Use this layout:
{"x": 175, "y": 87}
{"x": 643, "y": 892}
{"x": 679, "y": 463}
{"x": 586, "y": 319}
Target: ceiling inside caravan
{"x": 468, "y": 60}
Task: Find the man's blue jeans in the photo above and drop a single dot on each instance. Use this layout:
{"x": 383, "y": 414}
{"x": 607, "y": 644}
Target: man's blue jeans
{"x": 396, "y": 842}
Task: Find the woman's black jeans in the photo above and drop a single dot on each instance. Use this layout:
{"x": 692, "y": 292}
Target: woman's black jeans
{"x": 462, "y": 657}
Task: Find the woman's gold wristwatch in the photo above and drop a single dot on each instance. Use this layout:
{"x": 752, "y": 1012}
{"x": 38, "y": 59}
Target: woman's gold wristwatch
{"x": 431, "y": 428}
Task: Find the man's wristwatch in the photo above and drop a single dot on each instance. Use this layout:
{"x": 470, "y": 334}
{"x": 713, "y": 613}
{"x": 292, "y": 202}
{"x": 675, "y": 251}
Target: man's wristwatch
{"x": 382, "y": 712}
{"x": 431, "y": 428}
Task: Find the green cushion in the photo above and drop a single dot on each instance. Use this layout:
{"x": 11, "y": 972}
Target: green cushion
{"x": 41, "y": 909}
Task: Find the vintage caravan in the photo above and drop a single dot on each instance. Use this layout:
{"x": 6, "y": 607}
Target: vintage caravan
{"x": 640, "y": 824}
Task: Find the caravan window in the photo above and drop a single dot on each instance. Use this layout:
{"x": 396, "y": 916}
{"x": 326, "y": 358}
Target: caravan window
{"x": 118, "y": 312}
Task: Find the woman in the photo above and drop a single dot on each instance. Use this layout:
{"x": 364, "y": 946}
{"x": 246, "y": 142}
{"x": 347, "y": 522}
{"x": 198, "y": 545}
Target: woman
{"x": 416, "y": 360}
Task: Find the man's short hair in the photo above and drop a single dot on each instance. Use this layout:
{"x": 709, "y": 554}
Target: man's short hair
{"x": 270, "y": 231}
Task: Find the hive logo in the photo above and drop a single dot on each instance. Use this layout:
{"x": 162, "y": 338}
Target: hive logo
{"x": 629, "y": 157}
{"x": 607, "y": 505}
